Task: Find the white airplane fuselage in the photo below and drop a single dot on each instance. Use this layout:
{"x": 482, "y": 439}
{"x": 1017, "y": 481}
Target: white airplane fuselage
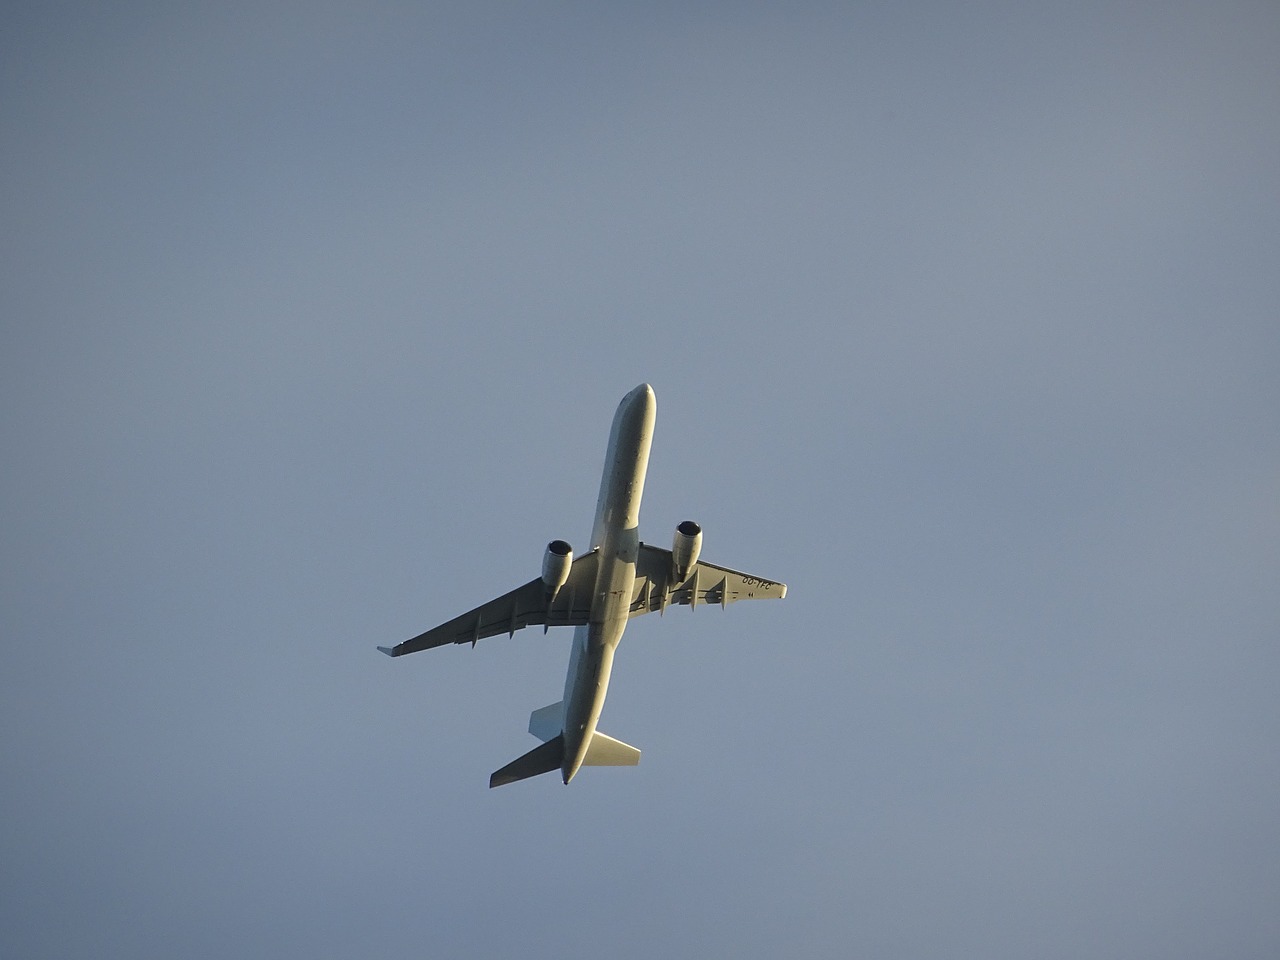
{"x": 615, "y": 534}
{"x": 597, "y": 593}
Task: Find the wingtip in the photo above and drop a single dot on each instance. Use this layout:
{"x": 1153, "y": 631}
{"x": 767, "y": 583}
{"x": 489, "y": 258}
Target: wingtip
{"x": 388, "y": 651}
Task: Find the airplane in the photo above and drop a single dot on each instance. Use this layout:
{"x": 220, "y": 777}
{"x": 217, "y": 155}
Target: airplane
{"x": 620, "y": 577}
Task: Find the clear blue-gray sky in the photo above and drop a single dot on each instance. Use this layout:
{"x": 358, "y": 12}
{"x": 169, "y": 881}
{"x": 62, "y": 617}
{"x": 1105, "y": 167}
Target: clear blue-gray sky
{"x": 962, "y": 320}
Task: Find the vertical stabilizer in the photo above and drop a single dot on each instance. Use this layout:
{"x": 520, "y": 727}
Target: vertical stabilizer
{"x": 547, "y": 723}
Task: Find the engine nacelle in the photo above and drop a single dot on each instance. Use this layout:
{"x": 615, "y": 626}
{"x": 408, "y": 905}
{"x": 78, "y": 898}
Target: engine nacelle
{"x": 685, "y": 549}
{"x": 556, "y": 563}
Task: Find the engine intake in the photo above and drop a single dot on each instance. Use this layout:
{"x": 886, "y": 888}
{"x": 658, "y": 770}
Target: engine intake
{"x": 556, "y": 563}
{"x": 685, "y": 549}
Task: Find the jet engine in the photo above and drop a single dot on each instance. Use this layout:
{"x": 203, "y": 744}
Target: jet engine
{"x": 556, "y": 563}
{"x": 685, "y": 550}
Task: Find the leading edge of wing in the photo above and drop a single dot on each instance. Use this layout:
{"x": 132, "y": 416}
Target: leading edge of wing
{"x": 526, "y": 605}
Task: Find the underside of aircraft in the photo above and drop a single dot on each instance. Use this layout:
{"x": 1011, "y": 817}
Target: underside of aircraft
{"x": 597, "y": 594}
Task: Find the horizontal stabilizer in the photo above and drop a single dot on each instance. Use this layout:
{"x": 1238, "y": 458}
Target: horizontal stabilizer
{"x": 541, "y": 759}
{"x": 546, "y": 723}
{"x": 388, "y": 651}
{"x": 608, "y": 752}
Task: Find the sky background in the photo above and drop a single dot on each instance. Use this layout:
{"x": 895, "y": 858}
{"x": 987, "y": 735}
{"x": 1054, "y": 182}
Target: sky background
{"x": 962, "y": 321}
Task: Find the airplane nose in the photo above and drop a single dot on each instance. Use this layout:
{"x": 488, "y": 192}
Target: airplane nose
{"x": 644, "y": 397}
{"x": 639, "y": 406}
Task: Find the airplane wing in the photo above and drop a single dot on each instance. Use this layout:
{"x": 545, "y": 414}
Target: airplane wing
{"x": 512, "y": 611}
{"x": 705, "y": 583}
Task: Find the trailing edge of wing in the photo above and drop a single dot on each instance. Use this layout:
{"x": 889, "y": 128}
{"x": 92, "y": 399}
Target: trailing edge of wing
{"x": 705, "y": 583}
{"x": 521, "y": 607}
